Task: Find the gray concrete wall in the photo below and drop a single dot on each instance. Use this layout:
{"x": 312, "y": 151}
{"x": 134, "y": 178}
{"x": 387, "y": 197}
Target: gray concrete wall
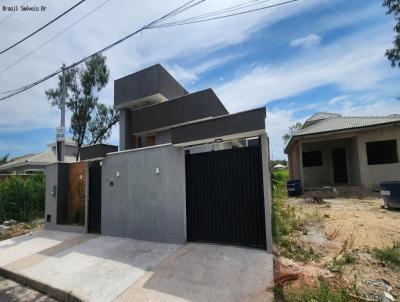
{"x": 323, "y": 175}
{"x": 163, "y": 137}
{"x": 294, "y": 162}
{"x": 149, "y": 81}
{"x": 195, "y": 106}
{"x": 372, "y": 175}
{"x": 50, "y": 207}
{"x": 267, "y": 191}
{"x": 125, "y": 120}
{"x": 219, "y": 127}
{"x": 141, "y": 204}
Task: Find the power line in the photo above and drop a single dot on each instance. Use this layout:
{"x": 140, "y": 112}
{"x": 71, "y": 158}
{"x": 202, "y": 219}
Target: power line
{"x": 52, "y": 38}
{"x": 42, "y": 27}
{"x": 229, "y": 9}
{"x": 155, "y": 24}
{"x": 171, "y": 14}
{"x": 10, "y": 15}
{"x": 189, "y": 21}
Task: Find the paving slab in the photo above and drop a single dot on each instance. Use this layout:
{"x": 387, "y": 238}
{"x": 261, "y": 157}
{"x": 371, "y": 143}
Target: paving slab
{"x": 101, "y": 268}
{"x": 17, "y": 248}
{"x": 206, "y": 272}
{"x": 11, "y": 291}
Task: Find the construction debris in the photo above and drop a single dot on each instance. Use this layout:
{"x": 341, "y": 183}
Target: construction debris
{"x": 314, "y": 199}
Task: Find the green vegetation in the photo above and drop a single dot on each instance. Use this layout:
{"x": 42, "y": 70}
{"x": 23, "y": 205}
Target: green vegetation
{"x": 323, "y": 293}
{"x": 286, "y": 226}
{"x": 4, "y": 159}
{"x": 22, "y": 199}
{"x": 337, "y": 263}
{"x": 389, "y": 255}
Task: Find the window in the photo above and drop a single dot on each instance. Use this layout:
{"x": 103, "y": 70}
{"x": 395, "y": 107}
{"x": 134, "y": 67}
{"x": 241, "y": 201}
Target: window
{"x": 312, "y": 159}
{"x": 382, "y": 152}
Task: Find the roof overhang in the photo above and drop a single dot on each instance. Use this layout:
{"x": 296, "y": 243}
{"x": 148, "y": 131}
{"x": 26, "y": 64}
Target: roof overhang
{"x": 150, "y": 85}
{"x": 196, "y": 106}
{"x": 326, "y": 134}
{"x": 223, "y": 128}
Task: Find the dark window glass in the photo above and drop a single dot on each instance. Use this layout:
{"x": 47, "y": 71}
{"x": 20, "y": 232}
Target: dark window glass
{"x": 383, "y": 152}
{"x": 312, "y": 159}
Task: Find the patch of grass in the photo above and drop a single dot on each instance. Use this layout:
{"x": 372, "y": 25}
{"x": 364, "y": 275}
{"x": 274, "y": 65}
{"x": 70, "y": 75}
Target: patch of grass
{"x": 323, "y": 293}
{"x": 286, "y": 225}
{"x": 314, "y": 217}
{"x": 290, "y": 248}
{"x": 389, "y": 255}
{"x": 337, "y": 263}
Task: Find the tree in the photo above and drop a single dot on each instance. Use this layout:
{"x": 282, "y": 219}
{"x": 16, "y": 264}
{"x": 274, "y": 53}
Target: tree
{"x": 4, "y": 159}
{"x": 292, "y": 130}
{"x": 393, "y": 54}
{"x": 91, "y": 121}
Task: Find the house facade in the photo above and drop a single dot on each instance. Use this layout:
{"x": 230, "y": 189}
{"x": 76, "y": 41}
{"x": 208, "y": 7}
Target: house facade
{"x": 32, "y": 163}
{"x": 331, "y": 149}
{"x": 186, "y": 170}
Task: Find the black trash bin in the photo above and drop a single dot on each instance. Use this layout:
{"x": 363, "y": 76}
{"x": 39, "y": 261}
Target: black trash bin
{"x": 294, "y": 187}
{"x": 390, "y": 191}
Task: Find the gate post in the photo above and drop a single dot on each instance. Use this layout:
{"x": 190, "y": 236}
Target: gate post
{"x": 267, "y": 190}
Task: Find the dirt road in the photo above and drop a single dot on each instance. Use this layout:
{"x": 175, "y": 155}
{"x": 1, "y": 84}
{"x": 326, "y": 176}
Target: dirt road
{"x": 353, "y": 223}
{"x": 354, "y": 226}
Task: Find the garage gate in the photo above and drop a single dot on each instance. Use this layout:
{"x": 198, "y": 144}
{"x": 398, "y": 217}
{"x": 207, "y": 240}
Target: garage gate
{"x": 225, "y": 198}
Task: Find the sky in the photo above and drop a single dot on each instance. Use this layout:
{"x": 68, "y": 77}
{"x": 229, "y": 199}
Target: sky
{"x": 296, "y": 60}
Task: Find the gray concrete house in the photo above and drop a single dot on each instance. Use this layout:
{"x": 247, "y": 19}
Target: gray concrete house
{"x": 32, "y": 163}
{"x": 331, "y": 149}
{"x": 186, "y": 170}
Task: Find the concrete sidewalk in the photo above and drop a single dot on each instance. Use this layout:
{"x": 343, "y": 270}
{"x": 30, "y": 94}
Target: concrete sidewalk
{"x": 102, "y": 268}
{"x": 207, "y": 272}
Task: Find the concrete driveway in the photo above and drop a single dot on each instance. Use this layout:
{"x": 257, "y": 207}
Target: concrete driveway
{"x": 102, "y": 268}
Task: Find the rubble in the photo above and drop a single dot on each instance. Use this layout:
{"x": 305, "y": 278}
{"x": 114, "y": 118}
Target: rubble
{"x": 314, "y": 199}
{"x": 9, "y": 222}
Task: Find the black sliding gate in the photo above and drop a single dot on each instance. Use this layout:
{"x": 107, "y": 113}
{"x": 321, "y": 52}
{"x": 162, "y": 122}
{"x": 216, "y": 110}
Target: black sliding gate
{"x": 94, "y": 225}
{"x": 224, "y": 197}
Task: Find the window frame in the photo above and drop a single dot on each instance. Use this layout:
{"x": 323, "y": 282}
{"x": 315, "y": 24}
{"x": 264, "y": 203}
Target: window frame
{"x": 307, "y": 164}
{"x": 372, "y": 147}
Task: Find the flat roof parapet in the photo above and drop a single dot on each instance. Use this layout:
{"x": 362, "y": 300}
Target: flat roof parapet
{"x": 148, "y": 86}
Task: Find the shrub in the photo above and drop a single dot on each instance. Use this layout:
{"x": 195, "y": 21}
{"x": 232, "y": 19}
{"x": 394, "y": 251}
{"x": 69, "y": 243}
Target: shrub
{"x": 337, "y": 263}
{"x": 389, "y": 255}
{"x": 22, "y": 199}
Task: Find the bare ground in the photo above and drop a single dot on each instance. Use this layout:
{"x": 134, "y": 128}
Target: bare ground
{"x": 345, "y": 225}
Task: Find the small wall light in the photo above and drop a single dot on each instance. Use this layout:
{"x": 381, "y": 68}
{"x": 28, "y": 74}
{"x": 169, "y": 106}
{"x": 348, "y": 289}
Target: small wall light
{"x": 157, "y": 170}
{"x": 117, "y": 174}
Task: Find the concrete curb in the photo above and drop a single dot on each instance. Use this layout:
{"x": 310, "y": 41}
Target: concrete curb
{"x": 59, "y": 294}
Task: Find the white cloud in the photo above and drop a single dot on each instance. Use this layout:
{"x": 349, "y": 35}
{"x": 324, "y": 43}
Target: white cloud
{"x": 338, "y": 99}
{"x": 355, "y": 63}
{"x": 193, "y": 43}
{"x": 191, "y": 75}
{"x": 308, "y": 41}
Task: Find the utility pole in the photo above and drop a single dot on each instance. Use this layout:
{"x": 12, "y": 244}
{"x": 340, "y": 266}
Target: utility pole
{"x": 61, "y": 130}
